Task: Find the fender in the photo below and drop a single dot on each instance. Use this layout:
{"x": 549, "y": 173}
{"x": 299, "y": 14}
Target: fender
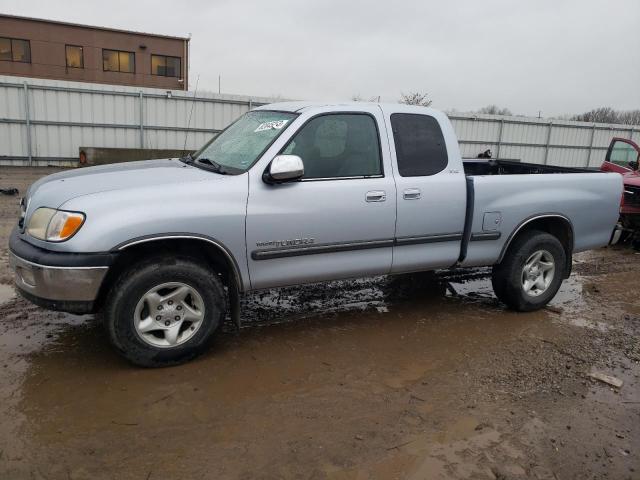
{"x": 530, "y": 219}
{"x": 188, "y": 236}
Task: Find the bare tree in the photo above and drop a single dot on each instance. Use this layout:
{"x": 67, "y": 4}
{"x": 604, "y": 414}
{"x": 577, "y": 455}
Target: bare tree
{"x": 630, "y": 117}
{"x": 609, "y": 115}
{"x": 415, "y": 98}
{"x": 495, "y": 110}
{"x": 598, "y": 115}
{"x": 358, "y": 98}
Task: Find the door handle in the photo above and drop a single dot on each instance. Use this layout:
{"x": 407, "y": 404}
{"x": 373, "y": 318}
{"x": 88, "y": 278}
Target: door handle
{"x": 376, "y": 196}
{"x": 412, "y": 194}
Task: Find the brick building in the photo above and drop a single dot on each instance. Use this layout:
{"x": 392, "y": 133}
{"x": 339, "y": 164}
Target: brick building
{"x": 31, "y": 47}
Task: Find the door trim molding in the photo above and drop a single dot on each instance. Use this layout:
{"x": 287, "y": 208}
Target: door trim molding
{"x": 439, "y": 237}
{"x": 272, "y": 253}
{"x": 480, "y": 236}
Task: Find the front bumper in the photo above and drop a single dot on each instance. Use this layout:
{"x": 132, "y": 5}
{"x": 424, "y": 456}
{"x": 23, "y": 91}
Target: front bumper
{"x": 58, "y": 281}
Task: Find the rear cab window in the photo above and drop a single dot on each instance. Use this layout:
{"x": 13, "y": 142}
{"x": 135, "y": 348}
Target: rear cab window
{"x": 420, "y": 145}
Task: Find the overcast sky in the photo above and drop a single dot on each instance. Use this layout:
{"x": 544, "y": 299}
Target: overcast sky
{"x": 557, "y": 56}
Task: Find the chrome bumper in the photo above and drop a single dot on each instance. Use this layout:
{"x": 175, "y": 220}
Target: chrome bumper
{"x": 616, "y": 234}
{"x": 57, "y": 283}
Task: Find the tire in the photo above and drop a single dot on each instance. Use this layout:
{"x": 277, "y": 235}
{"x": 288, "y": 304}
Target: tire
{"x": 143, "y": 307}
{"x": 533, "y": 289}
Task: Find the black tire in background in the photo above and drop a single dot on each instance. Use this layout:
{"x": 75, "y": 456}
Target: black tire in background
{"x": 507, "y": 276}
{"x": 131, "y": 286}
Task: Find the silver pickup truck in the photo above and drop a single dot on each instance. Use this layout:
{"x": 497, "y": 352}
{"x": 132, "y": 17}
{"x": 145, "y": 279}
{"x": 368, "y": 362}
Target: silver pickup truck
{"x": 296, "y": 193}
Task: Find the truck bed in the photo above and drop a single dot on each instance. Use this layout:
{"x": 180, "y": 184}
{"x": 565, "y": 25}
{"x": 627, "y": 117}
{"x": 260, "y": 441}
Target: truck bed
{"x": 491, "y": 166}
{"x": 497, "y": 204}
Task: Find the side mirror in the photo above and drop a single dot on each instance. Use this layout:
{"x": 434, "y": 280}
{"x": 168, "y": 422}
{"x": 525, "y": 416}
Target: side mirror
{"x": 633, "y": 165}
{"x": 284, "y": 168}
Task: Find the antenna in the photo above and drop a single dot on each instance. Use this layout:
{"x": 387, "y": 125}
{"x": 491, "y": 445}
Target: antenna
{"x": 193, "y": 104}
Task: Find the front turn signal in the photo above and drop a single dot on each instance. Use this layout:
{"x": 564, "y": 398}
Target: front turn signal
{"x": 64, "y": 225}
{"x": 54, "y": 225}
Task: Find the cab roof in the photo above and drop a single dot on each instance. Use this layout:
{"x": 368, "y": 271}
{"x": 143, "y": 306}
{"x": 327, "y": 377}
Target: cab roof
{"x": 304, "y": 105}
{"x": 301, "y": 106}
{"x": 292, "y": 106}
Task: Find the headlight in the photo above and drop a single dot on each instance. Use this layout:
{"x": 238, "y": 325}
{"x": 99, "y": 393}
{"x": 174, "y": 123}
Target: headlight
{"x": 54, "y": 225}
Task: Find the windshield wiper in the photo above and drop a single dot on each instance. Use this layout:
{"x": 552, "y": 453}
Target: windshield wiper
{"x": 211, "y": 165}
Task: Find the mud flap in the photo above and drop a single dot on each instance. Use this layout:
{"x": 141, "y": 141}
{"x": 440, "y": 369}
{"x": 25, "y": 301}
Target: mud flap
{"x": 569, "y": 265}
{"x": 234, "y": 306}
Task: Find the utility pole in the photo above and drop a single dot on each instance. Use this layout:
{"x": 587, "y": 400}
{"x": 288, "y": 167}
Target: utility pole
{"x": 218, "y": 83}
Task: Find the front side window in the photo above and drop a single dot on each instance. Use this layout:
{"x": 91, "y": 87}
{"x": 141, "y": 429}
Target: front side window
{"x": 420, "y": 147}
{"x": 74, "y": 56}
{"x": 165, "y": 66}
{"x": 622, "y": 153}
{"x": 243, "y": 142}
{"x": 338, "y": 145}
{"x": 118, "y": 61}
{"x": 15, "y": 50}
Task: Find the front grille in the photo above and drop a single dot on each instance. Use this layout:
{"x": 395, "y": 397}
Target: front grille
{"x": 631, "y": 195}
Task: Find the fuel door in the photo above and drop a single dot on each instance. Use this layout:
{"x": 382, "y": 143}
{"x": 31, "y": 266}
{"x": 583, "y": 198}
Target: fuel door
{"x": 491, "y": 221}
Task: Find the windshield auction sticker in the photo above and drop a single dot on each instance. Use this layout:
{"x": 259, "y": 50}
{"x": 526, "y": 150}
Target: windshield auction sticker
{"x": 275, "y": 125}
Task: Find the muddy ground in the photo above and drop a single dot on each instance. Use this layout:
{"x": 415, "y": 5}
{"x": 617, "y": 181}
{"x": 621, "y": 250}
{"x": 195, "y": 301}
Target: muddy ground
{"x": 384, "y": 378}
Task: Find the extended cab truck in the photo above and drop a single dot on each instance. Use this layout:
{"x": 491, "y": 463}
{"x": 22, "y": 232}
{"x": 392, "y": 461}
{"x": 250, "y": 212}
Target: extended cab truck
{"x": 296, "y": 193}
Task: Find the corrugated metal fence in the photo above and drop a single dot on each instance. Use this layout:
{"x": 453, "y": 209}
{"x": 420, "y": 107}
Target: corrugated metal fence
{"x": 46, "y": 121}
{"x": 552, "y": 142}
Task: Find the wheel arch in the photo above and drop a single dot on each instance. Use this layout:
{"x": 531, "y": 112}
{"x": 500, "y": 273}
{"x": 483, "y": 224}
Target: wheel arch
{"x": 207, "y": 249}
{"x": 555, "y": 224}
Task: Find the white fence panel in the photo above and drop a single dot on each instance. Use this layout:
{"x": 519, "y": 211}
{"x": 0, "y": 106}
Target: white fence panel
{"x": 61, "y": 117}
{"x": 553, "y": 142}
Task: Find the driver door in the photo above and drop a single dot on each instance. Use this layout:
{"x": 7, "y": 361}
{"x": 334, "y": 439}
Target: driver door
{"x": 338, "y": 221}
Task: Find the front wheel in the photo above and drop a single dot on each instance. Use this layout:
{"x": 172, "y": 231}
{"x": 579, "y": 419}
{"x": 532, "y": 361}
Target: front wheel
{"x": 164, "y": 311}
{"x": 531, "y": 272}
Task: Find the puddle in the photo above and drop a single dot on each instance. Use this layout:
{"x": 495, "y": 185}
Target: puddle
{"x": 6, "y": 293}
{"x": 375, "y": 295}
{"x": 588, "y": 323}
{"x": 571, "y": 294}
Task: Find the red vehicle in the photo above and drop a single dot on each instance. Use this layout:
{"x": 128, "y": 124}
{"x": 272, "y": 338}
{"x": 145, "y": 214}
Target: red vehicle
{"x": 623, "y": 157}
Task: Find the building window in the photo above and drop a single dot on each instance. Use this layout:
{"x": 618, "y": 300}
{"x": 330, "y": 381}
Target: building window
{"x": 118, "y": 61}
{"x": 15, "y": 50}
{"x": 165, "y": 66}
{"x": 75, "y": 56}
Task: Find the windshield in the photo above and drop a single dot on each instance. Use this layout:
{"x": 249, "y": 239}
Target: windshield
{"x": 236, "y": 148}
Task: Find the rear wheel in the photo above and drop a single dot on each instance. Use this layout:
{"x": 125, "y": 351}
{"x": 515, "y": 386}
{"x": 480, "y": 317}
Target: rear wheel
{"x": 164, "y": 312}
{"x": 531, "y": 272}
